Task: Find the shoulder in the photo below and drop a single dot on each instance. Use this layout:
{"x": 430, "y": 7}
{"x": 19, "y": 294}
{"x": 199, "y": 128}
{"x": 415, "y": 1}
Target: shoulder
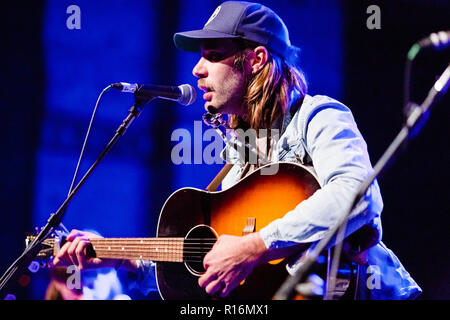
{"x": 313, "y": 104}
{"x": 330, "y": 109}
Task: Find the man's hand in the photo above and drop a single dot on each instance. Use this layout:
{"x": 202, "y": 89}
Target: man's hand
{"x": 73, "y": 252}
{"x": 230, "y": 261}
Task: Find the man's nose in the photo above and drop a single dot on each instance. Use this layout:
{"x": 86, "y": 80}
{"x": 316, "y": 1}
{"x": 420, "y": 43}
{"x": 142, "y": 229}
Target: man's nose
{"x": 200, "y": 70}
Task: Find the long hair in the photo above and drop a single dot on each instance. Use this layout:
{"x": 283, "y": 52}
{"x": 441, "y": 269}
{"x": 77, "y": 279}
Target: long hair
{"x": 268, "y": 92}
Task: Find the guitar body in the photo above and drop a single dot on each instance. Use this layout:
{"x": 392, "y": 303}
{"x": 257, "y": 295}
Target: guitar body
{"x": 248, "y": 206}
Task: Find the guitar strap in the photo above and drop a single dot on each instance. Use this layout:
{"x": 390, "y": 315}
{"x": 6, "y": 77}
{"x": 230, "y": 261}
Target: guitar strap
{"x": 214, "y": 184}
{"x": 285, "y": 120}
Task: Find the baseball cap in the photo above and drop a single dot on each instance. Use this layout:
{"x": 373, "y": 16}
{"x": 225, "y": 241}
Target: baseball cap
{"x": 244, "y": 20}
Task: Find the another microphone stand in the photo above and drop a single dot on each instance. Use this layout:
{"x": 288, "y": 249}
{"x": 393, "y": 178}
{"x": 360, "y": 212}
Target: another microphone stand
{"x": 18, "y": 266}
{"x": 414, "y": 122}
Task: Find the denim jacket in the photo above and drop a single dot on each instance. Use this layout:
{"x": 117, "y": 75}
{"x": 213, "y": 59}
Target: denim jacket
{"x": 322, "y": 135}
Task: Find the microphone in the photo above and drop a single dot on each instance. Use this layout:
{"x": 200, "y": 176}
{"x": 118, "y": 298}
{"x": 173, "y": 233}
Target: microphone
{"x": 438, "y": 40}
{"x": 184, "y": 94}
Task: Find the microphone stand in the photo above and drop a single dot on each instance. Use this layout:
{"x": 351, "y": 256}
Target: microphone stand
{"x": 24, "y": 260}
{"x": 414, "y": 122}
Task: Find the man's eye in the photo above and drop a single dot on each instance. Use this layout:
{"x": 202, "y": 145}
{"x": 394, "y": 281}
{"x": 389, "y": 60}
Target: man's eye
{"x": 214, "y": 56}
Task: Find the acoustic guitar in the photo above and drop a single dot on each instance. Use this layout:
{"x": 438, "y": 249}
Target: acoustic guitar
{"x": 191, "y": 221}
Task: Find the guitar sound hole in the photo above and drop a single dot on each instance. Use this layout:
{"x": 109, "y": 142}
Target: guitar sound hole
{"x": 197, "y": 244}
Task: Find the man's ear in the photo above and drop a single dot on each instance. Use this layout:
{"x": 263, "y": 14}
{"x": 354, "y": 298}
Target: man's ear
{"x": 258, "y": 60}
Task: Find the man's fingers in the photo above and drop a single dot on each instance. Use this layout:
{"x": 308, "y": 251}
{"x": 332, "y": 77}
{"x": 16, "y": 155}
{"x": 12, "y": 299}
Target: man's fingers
{"x": 206, "y": 261}
{"x": 61, "y": 257}
{"x": 206, "y": 278}
{"x": 214, "y": 287}
{"x": 72, "y": 250}
{"x": 80, "y": 253}
{"x": 73, "y": 234}
{"x": 227, "y": 289}
{"x": 58, "y": 261}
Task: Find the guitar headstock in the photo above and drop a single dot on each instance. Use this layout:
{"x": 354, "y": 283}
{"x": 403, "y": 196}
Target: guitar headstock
{"x": 47, "y": 251}
{"x": 49, "y": 247}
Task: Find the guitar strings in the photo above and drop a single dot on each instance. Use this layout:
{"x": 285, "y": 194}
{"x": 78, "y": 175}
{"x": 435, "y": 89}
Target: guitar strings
{"x": 191, "y": 249}
{"x": 187, "y": 254}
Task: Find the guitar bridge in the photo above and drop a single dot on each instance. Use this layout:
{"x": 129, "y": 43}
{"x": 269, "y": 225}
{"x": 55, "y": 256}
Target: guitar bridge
{"x": 250, "y": 226}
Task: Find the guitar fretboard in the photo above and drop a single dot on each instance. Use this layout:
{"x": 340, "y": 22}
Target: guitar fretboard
{"x": 156, "y": 249}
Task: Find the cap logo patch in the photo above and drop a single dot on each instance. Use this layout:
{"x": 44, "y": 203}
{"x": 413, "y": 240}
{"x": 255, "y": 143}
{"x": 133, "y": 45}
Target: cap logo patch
{"x": 215, "y": 13}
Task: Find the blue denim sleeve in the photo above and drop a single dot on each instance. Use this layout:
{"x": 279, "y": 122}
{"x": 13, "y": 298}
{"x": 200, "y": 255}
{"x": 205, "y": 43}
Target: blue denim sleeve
{"x": 385, "y": 277}
{"x": 146, "y": 280}
{"x": 341, "y": 162}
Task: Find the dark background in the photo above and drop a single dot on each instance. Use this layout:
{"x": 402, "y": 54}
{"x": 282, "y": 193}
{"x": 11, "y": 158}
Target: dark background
{"x": 371, "y": 65}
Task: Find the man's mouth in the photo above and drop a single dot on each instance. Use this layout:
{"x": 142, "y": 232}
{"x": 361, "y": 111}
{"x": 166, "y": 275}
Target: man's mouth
{"x": 208, "y": 93}
{"x": 208, "y": 96}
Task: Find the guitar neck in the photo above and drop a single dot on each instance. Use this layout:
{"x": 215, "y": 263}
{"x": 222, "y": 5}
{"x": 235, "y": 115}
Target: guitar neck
{"x": 155, "y": 249}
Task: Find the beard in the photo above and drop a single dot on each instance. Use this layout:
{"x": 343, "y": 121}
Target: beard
{"x": 227, "y": 98}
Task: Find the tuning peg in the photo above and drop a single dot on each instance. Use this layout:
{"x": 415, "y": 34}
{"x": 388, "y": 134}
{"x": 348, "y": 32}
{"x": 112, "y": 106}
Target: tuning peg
{"x": 34, "y": 266}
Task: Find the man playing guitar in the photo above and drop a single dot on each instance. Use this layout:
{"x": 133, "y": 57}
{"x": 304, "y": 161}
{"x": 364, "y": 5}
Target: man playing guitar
{"x": 247, "y": 71}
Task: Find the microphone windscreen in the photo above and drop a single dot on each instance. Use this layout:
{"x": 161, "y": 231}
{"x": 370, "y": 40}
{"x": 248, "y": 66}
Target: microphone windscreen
{"x": 188, "y": 94}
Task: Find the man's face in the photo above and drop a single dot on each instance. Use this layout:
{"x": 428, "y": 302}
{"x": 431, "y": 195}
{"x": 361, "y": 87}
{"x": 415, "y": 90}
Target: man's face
{"x": 224, "y": 86}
